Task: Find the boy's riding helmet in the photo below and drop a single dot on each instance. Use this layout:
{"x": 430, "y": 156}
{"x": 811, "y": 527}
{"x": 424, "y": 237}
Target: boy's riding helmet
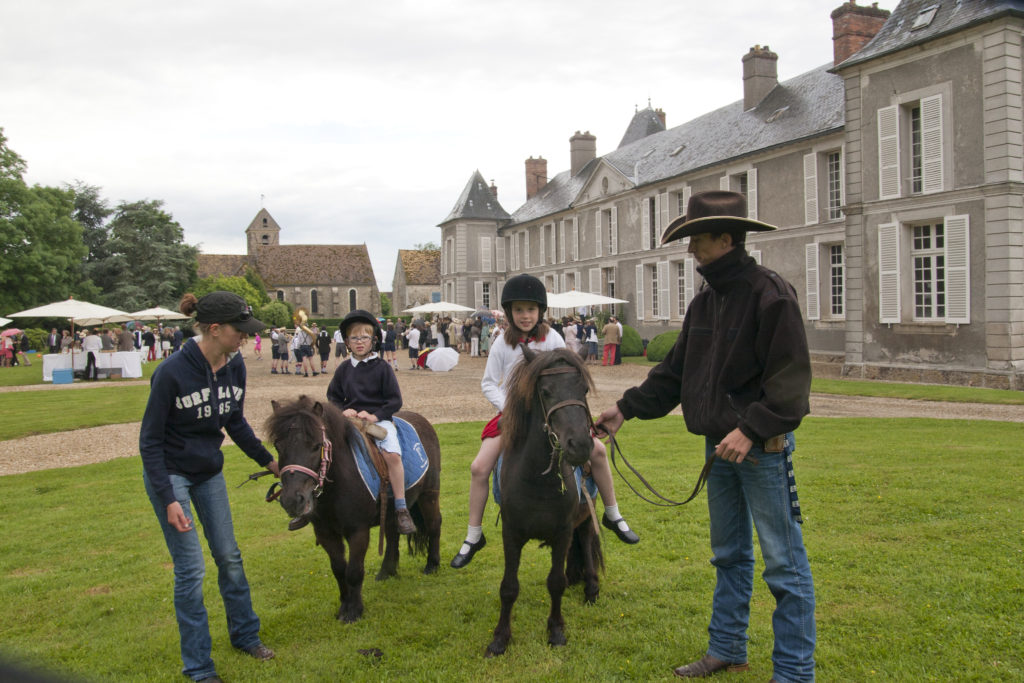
{"x": 360, "y": 316}
{"x": 524, "y": 288}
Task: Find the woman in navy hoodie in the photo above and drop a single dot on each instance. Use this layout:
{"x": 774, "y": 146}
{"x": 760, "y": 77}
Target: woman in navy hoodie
{"x": 195, "y": 396}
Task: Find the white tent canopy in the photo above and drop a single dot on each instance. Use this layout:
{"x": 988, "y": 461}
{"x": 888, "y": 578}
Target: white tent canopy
{"x": 72, "y": 309}
{"x": 158, "y": 314}
{"x": 576, "y": 299}
{"x": 439, "y": 307}
{"x": 4, "y": 321}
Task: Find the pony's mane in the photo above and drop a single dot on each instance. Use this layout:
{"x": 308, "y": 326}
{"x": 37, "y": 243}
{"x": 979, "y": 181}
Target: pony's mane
{"x": 521, "y": 385}
{"x": 303, "y": 408}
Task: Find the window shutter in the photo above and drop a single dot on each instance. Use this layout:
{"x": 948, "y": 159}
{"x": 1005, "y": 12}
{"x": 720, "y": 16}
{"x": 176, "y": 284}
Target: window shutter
{"x": 485, "y": 254}
{"x": 723, "y": 183}
{"x": 931, "y": 144}
{"x": 810, "y": 189}
{"x": 663, "y": 289}
{"x": 889, "y": 273}
{"x": 597, "y": 232}
{"x": 542, "y": 245}
{"x": 595, "y": 281}
{"x": 575, "y": 239}
{"x": 756, "y": 255}
{"x": 613, "y": 248}
{"x": 499, "y": 253}
{"x": 444, "y": 257}
{"x": 842, "y": 175}
{"x": 565, "y": 282}
{"x": 640, "y": 293}
{"x": 687, "y": 191}
{"x": 752, "y": 194}
{"x": 526, "y": 249}
{"x": 958, "y": 269}
{"x": 645, "y": 223}
{"x": 811, "y": 268}
{"x": 561, "y": 242}
{"x": 478, "y": 293}
{"x": 665, "y": 218}
{"x": 888, "y": 152}
{"x": 691, "y": 281}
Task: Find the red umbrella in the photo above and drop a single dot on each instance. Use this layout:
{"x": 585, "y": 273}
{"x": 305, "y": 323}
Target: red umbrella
{"x": 10, "y": 332}
{"x": 422, "y": 359}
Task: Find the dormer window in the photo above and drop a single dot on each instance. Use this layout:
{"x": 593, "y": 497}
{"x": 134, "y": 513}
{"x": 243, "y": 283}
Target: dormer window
{"x": 924, "y": 17}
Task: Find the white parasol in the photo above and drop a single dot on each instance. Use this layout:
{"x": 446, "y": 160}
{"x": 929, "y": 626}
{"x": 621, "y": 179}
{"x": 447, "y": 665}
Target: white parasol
{"x": 75, "y": 311}
{"x": 158, "y": 314}
{"x": 576, "y": 299}
{"x": 439, "y": 307}
{"x": 4, "y": 321}
{"x": 443, "y": 359}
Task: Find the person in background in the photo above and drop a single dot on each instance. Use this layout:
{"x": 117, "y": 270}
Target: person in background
{"x": 53, "y": 341}
{"x": 108, "y": 340}
{"x": 125, "y": 340}
{"x": 323, "y": 348}
{"x": 176, "y": 338}
{"x": 283, "y": 344}
{"x": 611, "y": 341}
{"x": 149, "y": 341}
{"x": 66, "y": 341}
{"x": 590, "y": 334}
{"x": 92, "y": 345}
{"x": 412, "y": 336}
{"x": 195, "y": 397}
{"x": 388, "y": 348}
{"x": 741, "y": 371}
{"x": 257, "y": 346}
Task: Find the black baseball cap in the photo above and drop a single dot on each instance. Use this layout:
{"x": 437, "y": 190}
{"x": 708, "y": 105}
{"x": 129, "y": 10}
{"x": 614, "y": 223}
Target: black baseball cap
{"x": 227, "y": 308}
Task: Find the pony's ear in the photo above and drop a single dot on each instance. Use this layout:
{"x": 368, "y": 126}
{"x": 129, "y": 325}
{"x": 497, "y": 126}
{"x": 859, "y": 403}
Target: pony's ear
{"x": 318, "y": 409}
{"x": 528, "y": 353}
{"x": 275, "y": 405}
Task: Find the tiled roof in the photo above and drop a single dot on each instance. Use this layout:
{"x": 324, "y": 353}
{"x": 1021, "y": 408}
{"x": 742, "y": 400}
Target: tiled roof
{"x": 803, "y": 107}
{"x": 645, "y": 122}
{"x": 951, "y": 16}
{"x": 477, "y": 202}
{"x": 315, "y": 264}
{"x": 421, "y": 266}
{"x": 230, "y": 265}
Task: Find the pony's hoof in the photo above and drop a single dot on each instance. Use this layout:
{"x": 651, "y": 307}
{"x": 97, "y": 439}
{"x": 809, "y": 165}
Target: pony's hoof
{"x": 430, "y": 569}
{"x": 557, "y": 639}
{"x": 384, "y": 576}
{"x": 495, "y": 649}
{"x": 350, "y": 615}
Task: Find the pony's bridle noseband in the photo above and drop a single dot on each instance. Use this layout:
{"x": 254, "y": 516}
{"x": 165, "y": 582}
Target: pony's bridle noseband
{"x": 320, "y": 477}
{"x": 556, "y": 446}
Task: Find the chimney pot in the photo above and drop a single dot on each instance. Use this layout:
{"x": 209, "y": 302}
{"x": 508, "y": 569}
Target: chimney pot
{"x": 853, "y": 27}
{"x": 760, "y": 75}
{"x": 536, "y": 175}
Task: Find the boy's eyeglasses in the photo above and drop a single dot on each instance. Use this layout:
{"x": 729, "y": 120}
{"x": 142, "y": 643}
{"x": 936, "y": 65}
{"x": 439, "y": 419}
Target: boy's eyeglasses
{"x": 360, "y": 339}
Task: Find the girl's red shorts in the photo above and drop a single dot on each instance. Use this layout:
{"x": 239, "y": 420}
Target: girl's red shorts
{"x": 491, "y": 429}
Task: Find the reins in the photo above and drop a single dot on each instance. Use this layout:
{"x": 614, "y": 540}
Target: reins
{"x": 326, "y": 457}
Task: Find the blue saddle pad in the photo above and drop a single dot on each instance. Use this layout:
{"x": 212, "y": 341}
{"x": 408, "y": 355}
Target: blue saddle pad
{"x": 577, "y": 471}
{"x": 414, "y": 458}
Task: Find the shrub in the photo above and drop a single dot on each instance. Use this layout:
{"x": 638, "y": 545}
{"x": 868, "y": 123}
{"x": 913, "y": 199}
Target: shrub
{"x": 659, "y": 347}
{"x": 632, "y": 345}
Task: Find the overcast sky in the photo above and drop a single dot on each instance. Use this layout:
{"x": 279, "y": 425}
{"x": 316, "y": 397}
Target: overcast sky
{"x": 359, "y": 121}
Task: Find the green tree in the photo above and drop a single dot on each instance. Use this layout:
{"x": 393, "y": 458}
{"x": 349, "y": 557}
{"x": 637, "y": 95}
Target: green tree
{"x": 237, "y": 284}
{"x": 427, "y": 246}
{"x": 276, "y": 314}
{"x": 92, "y": 212}
{"x": 254, "y": 279}
{"x": 40, "y": 242}
{"x": 147, "y": 262}
{"x": 385, "y": 305}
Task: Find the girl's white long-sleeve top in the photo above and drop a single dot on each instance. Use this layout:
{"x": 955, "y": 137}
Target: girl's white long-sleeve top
{"x": 502, "y": 358}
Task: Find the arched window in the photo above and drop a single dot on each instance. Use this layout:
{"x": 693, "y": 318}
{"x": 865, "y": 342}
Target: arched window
{"x": 280, "y": 295}
{"x": 314, "y": 302}
{"x": 351, "y": 299}
{"x": 265, "y": 239}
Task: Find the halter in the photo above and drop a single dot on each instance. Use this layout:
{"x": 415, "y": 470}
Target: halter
{"x": 326, "y": 450}
{"x": 556, "y": 446}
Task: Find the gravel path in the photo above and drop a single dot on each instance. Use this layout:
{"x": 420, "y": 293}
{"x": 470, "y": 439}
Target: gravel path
{"x": 441, "y": 397}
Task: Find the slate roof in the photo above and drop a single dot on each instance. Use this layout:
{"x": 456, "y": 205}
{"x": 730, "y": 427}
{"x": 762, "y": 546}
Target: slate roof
{"x": 476, "y": 202}
{"x": 645, "y": 122}
{"x": 212, "y": 265}
{"x": 804, "y": 107}
{"x": 952, "y": 16}
{"x": 315, "y": 264}
{"x": 421, "y": 266}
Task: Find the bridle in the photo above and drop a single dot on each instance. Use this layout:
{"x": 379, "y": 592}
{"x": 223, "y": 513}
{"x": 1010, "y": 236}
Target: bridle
{"x": 556, "y": 446}
{"x": 326, "y": 456}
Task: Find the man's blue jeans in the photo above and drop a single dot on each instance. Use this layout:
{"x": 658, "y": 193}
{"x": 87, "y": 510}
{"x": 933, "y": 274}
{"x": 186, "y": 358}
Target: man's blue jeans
{"x": 210, "y": 500}
{"x": 737, "y": 495}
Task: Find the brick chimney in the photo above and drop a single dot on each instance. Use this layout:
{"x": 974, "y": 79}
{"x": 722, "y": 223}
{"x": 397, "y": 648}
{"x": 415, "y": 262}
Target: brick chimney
{"x": 536, "y": 175}
{"x": 853, "y": 27}
{"x": 760, "y": 75}
{"x": 494, "y": 189}
{"x": 582, "y": 150}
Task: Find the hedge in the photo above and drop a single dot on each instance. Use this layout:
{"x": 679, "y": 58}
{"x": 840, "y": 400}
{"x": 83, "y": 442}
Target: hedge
{"x": 659, "y": 347}
{"x": 632, "y": 345}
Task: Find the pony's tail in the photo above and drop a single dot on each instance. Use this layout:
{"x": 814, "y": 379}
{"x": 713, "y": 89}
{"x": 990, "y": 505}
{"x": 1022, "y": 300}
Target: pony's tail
{"x": 584, "y": 540}
{"x": 417, "y": 542}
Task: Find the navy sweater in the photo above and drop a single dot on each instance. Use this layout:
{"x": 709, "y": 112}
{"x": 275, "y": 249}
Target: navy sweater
{"x": 188, "y": 410}
{"x": 370, "y": 386}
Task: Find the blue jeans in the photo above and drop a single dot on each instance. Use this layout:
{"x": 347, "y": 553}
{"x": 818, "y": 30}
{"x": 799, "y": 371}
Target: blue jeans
{"x": 210, "y": 500}
{"x": 738, "y": 495}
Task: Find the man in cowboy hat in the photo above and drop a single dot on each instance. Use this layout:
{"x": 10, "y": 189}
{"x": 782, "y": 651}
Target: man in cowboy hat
{"x": 741, "y": 372}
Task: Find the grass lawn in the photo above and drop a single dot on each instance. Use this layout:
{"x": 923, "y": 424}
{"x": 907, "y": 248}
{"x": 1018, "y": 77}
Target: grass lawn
{"x": 916, "y": 554}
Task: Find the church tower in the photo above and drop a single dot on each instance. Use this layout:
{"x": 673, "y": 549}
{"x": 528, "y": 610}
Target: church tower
{"x": 262, "y": 232}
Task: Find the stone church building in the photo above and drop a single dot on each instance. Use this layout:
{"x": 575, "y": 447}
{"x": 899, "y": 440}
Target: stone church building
{"x": 895, "y": 175}
{"x": 329, "y": 280}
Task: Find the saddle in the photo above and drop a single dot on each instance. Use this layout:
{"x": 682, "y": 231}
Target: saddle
{"x": 370, "y": 432}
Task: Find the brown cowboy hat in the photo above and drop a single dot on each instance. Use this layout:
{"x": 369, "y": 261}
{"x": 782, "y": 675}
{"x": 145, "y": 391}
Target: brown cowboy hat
{"x": 714, "y": 211}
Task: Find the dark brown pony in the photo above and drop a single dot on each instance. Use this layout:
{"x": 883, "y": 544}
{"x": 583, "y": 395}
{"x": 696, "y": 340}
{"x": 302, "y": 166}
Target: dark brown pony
{"x": 338, "y": 503}
{"x": 545, "y": 434}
